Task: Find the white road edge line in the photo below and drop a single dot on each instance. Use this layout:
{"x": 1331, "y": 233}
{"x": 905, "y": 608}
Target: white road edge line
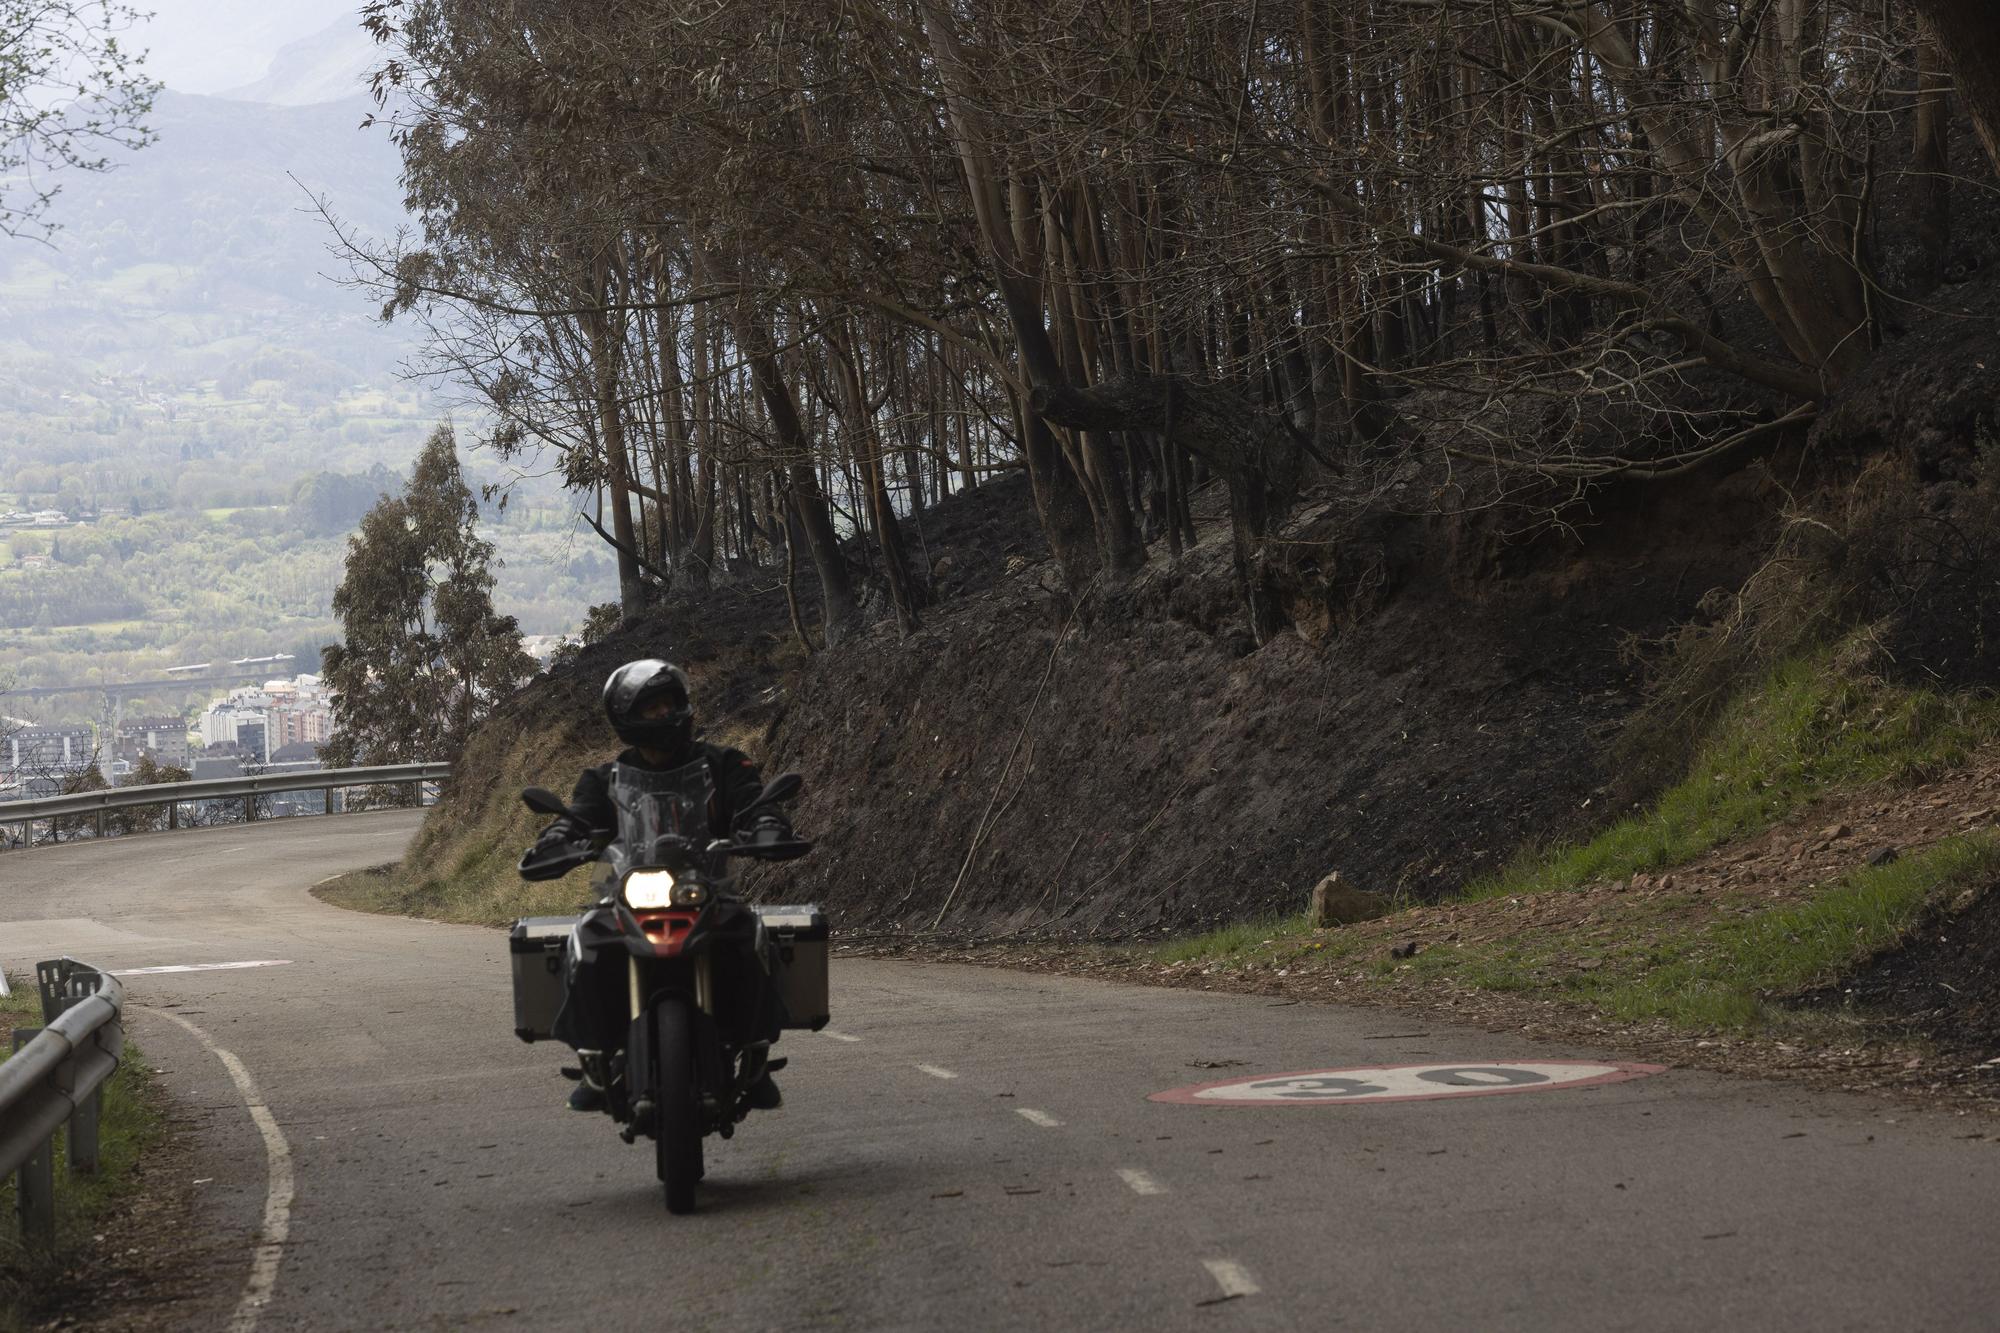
{"x": 1232, "y": 1277}
{"x": 837, "y": 1036}
{"x": 277, "y": 1195}
{"x": 935, "y": 1072}
{"x": 200, "y": 967}
{"x": 1034, "y": 1117}
{"x": 1140, "y": 1181}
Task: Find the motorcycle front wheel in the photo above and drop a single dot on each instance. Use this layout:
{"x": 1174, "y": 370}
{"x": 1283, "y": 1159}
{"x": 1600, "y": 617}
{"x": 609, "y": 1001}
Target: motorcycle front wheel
{"x": 677, "y": 1137}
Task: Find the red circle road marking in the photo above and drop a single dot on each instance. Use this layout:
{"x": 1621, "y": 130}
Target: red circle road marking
{"x": 1590, "y": 1074}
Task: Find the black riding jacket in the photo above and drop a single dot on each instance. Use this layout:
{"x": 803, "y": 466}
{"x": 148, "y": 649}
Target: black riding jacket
{"x": 737, "y": 784}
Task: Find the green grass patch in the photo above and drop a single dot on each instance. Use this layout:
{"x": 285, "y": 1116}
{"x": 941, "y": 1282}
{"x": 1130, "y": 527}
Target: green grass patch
{"x": 1242, "y": 940}
{"x": 1725, "y": 977}
{"x": 1722, "y": 975}
{"x": 133, "y": 1122}
{"x": 481, "y": 895}
{"x": 1806, "y": 731}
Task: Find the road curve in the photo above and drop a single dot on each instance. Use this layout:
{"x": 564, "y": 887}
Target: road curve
{"x": 966, "y": 1148}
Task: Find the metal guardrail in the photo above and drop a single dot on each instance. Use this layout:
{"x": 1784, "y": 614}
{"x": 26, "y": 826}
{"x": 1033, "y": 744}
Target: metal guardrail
{"x": 57, "y": 1077}
{"x": 175, "y": 794}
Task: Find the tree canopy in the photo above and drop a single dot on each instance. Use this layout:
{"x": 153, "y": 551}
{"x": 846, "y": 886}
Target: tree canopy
{"x": 423, "y": 655}
{"x": 761, "y": 275}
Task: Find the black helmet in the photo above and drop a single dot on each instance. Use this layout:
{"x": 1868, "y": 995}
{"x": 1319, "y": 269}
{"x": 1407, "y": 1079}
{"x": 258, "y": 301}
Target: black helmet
{"x": 636, "y": 686}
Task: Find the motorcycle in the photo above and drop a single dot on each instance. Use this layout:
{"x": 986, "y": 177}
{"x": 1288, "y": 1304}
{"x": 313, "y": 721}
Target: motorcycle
{"x": 703, "y": 969}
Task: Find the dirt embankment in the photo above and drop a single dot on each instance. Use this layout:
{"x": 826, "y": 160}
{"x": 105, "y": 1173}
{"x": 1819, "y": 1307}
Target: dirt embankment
{"x": 1135, "y": 764}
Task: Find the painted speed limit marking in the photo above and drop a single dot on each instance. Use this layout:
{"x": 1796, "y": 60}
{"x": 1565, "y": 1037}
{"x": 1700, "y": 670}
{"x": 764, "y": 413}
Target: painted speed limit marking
{"x": 1405, "y": 1083}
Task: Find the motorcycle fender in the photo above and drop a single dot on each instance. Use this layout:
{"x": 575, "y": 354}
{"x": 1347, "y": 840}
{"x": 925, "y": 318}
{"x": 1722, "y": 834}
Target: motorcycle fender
{"x": 662, "y": 934}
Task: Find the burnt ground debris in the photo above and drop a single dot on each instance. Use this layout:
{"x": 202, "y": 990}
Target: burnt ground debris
{"x": 1942, "y": 984}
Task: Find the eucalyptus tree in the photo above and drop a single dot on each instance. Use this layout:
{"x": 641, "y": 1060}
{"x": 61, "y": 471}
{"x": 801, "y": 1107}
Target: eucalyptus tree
{"x": 1966, "y": 34}
{"x": 422, "y": 655}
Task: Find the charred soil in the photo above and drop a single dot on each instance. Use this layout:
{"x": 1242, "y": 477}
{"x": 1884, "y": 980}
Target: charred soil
{"x": 1131, "y": 762}
{"x": 1941, "y": 986}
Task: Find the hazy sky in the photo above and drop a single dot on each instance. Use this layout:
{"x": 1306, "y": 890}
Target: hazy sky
{"x": 210, "y": 46}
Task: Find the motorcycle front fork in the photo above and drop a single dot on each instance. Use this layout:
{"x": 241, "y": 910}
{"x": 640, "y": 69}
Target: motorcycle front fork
{"x": 704, "y": 986}
{"x": 704, "y": 995}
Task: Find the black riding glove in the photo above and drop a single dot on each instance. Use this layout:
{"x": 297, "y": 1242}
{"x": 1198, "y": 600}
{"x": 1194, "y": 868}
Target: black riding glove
{"x": 558, "y": 834}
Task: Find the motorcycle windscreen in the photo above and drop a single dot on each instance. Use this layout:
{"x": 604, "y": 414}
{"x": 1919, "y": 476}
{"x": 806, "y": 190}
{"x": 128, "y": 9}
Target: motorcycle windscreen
{"x": 652, "y": 805}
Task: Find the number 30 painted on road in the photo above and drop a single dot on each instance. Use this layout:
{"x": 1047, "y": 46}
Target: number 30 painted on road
{"x": 1405, "y": 1083}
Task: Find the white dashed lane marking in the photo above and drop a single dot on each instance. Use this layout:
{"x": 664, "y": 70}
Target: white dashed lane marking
{"x": 1232, "y": 1277}
{"x": 1034, "y": 1117}
{"x": 837, "y": 1036}
{"x": 1141, "y": 1182}
{"x": 936, "y": 1072}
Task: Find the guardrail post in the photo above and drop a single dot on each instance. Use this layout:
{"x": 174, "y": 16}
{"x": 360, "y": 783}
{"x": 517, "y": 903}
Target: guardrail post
{"x": 35, "y": 1189}
{"x": 100, "y": 823}
{"x": 173, "y": 814}
{"x": 83, "y": 1124}
{"x": 328, "y": 808}
{"x": 250, "y": 808}
{"x": 51, "y": 977}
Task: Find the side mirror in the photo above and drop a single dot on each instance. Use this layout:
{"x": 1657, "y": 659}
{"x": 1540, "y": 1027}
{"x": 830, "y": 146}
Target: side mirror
{"x": 543, "y": 801}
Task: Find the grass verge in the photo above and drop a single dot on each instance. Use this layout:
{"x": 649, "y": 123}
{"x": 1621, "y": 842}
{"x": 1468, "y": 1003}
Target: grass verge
{"x": 467, "y": 898}
{"x": 1701, "y": 962}
{"x": 1807, "y": 730}
{"x": 1723, "y": 974}
{"x": 1241, "y": 940}
{"x": 134, "y": 1122}
{"x": 1572, "y": 925}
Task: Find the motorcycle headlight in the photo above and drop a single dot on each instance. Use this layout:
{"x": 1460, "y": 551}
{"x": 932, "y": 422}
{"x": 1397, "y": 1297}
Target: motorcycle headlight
{"x": 649, "y": 890}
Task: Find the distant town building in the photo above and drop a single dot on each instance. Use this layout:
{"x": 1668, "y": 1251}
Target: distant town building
{"x": 300, "y": 726}
{"x": 165, "y": 738}
{"x": 226, "y": 765}
{"x": 48, "y": 750}
{"x": 263, "y": 719}
{"x": 221, "y": 723}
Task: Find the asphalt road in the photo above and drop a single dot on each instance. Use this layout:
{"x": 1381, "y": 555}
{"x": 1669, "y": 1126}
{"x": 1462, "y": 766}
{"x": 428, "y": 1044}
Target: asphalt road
{"x": 436, "y": 1180}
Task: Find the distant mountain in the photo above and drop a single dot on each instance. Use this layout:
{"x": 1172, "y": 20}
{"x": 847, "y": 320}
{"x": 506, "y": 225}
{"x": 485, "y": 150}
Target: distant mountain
{"x": 332, "y": 65}
{"x": 206, "y": 246}
{"x": 202, "y": 46}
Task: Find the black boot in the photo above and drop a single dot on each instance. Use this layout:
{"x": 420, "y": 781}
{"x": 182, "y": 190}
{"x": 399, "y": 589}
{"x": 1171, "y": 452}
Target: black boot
{"x": 590, "y": 1080}
{"x": 764, "y": 1094}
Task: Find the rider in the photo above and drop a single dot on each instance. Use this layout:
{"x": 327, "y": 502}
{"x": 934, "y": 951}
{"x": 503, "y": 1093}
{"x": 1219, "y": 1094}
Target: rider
{"x": 648, "y": 705}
